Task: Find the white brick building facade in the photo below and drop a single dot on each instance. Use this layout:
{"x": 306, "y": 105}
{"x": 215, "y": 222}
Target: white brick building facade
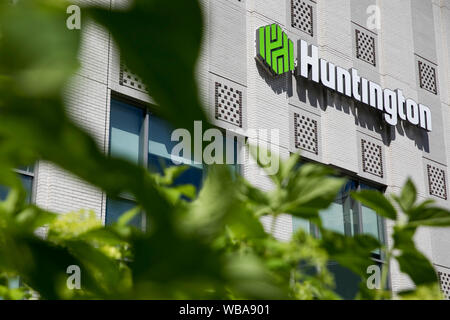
{"x": 411, "y": 31}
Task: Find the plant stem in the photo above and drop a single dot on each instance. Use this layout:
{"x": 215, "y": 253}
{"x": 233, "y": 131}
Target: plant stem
{"x": 384, "y": 275}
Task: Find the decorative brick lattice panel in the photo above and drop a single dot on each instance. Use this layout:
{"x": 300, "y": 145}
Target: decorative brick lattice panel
{"x": 302, "y": 16}
{"x": 305, "y": 133}
{"x": 365, "y": 47}
{"x": 444, "y": 280}
{"x": 228, "y": 104}
{"x": 427, "y": 77}
{"x": 372, "y": 158}
{"x": 129, "y": 79}
{"x": 436, "y": 182}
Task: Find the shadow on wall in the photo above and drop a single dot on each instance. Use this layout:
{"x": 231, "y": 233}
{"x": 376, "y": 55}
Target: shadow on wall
{"x": 420, "y": 136}
{"x": 373, "y": 120}
{"x": 366, "y": 117}
{"x": 278, "y": 84}
{"x": 306, "y": 91}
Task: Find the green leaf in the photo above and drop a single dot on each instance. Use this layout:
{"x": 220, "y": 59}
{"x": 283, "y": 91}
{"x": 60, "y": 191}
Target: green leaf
{"x": 217, "y": 200}
{"x": 106, "y": 235}
{"x": 412, "y": 261}
{"x": 248, "y": 278}
{"x": 166, "y": 54}
{"x": 102, "y": 273}
{"x": 186, "y": 190}
{"x": 417, "y": 267}
{"x": 29, "y": 256}
{"x": 12, "y": 202}
{"x": 309, "y": 196}
{"x": 11, "y": 294}
{"x": 365, "y": 293}
{"x": 376, "y": 201}
{"x": 427, "y": 215}
{"x": 353, "y": 253}
{"x": 164, "y": 266}
{"x": 287, "y": 167}
{"x": 175, "y": 194}
{"x": 33, "y": 218}
{"x": 73, "y": 224}
{"x": 170, "y": 174}
{"x": 265, "y": 159}
{"x": 39, "y": 64}
{"x": 253, "y": 194}
{"x": 423, "y": 292}
{"x": 126, "y": 217}
{"x": 443, "y": 221}
{"x": 407, "y": 197}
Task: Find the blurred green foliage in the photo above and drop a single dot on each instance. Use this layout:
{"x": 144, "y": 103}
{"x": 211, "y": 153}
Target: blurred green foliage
{"x": 213, "y": 247}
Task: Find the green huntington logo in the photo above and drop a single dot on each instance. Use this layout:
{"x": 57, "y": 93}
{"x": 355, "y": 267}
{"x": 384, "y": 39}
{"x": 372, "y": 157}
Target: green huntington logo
{"x": 274, "y": 49}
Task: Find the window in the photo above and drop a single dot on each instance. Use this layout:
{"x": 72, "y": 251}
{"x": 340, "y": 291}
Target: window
{"x": 26, "y": 175}
{"x": 159, "y": 154}
{"x": 341, "y": 216}
{"x": 10, "y": 282}
{"x": 302, "y": 16}
{"x": 115, "y": 208}
{"x": 372, "y": 223}
{"x": 348, "y": 217}
{"x": 365, "y": 47}
{"x": 427, "y": 77}
{"x": 444, "y": 282}
{"x": 142, "y": 138}
{"x": 126, "y": 131}
{"x": 129, "y": 79}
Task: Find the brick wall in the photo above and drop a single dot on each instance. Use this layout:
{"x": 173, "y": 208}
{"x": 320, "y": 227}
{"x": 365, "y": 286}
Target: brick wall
{"x": 228, "y": 54}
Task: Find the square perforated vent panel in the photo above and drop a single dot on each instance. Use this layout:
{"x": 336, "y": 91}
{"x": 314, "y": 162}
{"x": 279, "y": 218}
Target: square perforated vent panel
{"x": 129, "y": 79}
{"x": 228, "y": 104}
{"x": 427, "y": 77}
{"x": 444, "y": 281}
{"x": 436, "y": 182}
{"x": 372, "y": 158}
{"x": 302, "y": 16}
{"x": 365, "y": 47}
{"x": 305, "y": 131}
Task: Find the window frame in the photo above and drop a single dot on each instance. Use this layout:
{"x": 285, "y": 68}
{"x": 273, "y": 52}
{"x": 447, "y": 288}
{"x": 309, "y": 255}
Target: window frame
{"x": 148, "y": 111}
{"x": 343, "y": 173}
{"x": 379, "y": 259}
{"x": 33, "y": 175}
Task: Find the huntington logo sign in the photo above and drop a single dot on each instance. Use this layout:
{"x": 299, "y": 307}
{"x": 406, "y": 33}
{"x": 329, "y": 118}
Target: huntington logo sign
{"x": 275, "y": 51}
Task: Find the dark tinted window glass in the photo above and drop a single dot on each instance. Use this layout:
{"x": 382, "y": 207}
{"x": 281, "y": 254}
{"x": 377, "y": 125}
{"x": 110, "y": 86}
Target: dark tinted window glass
{"x": 27, "y": 182}
{"x": 341, "y": 216}
{"x": 126, "y": 128}
{"x": 347, "y": 282}
{"x": 160, "y": 147}
{"x": 115, "y": 208}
